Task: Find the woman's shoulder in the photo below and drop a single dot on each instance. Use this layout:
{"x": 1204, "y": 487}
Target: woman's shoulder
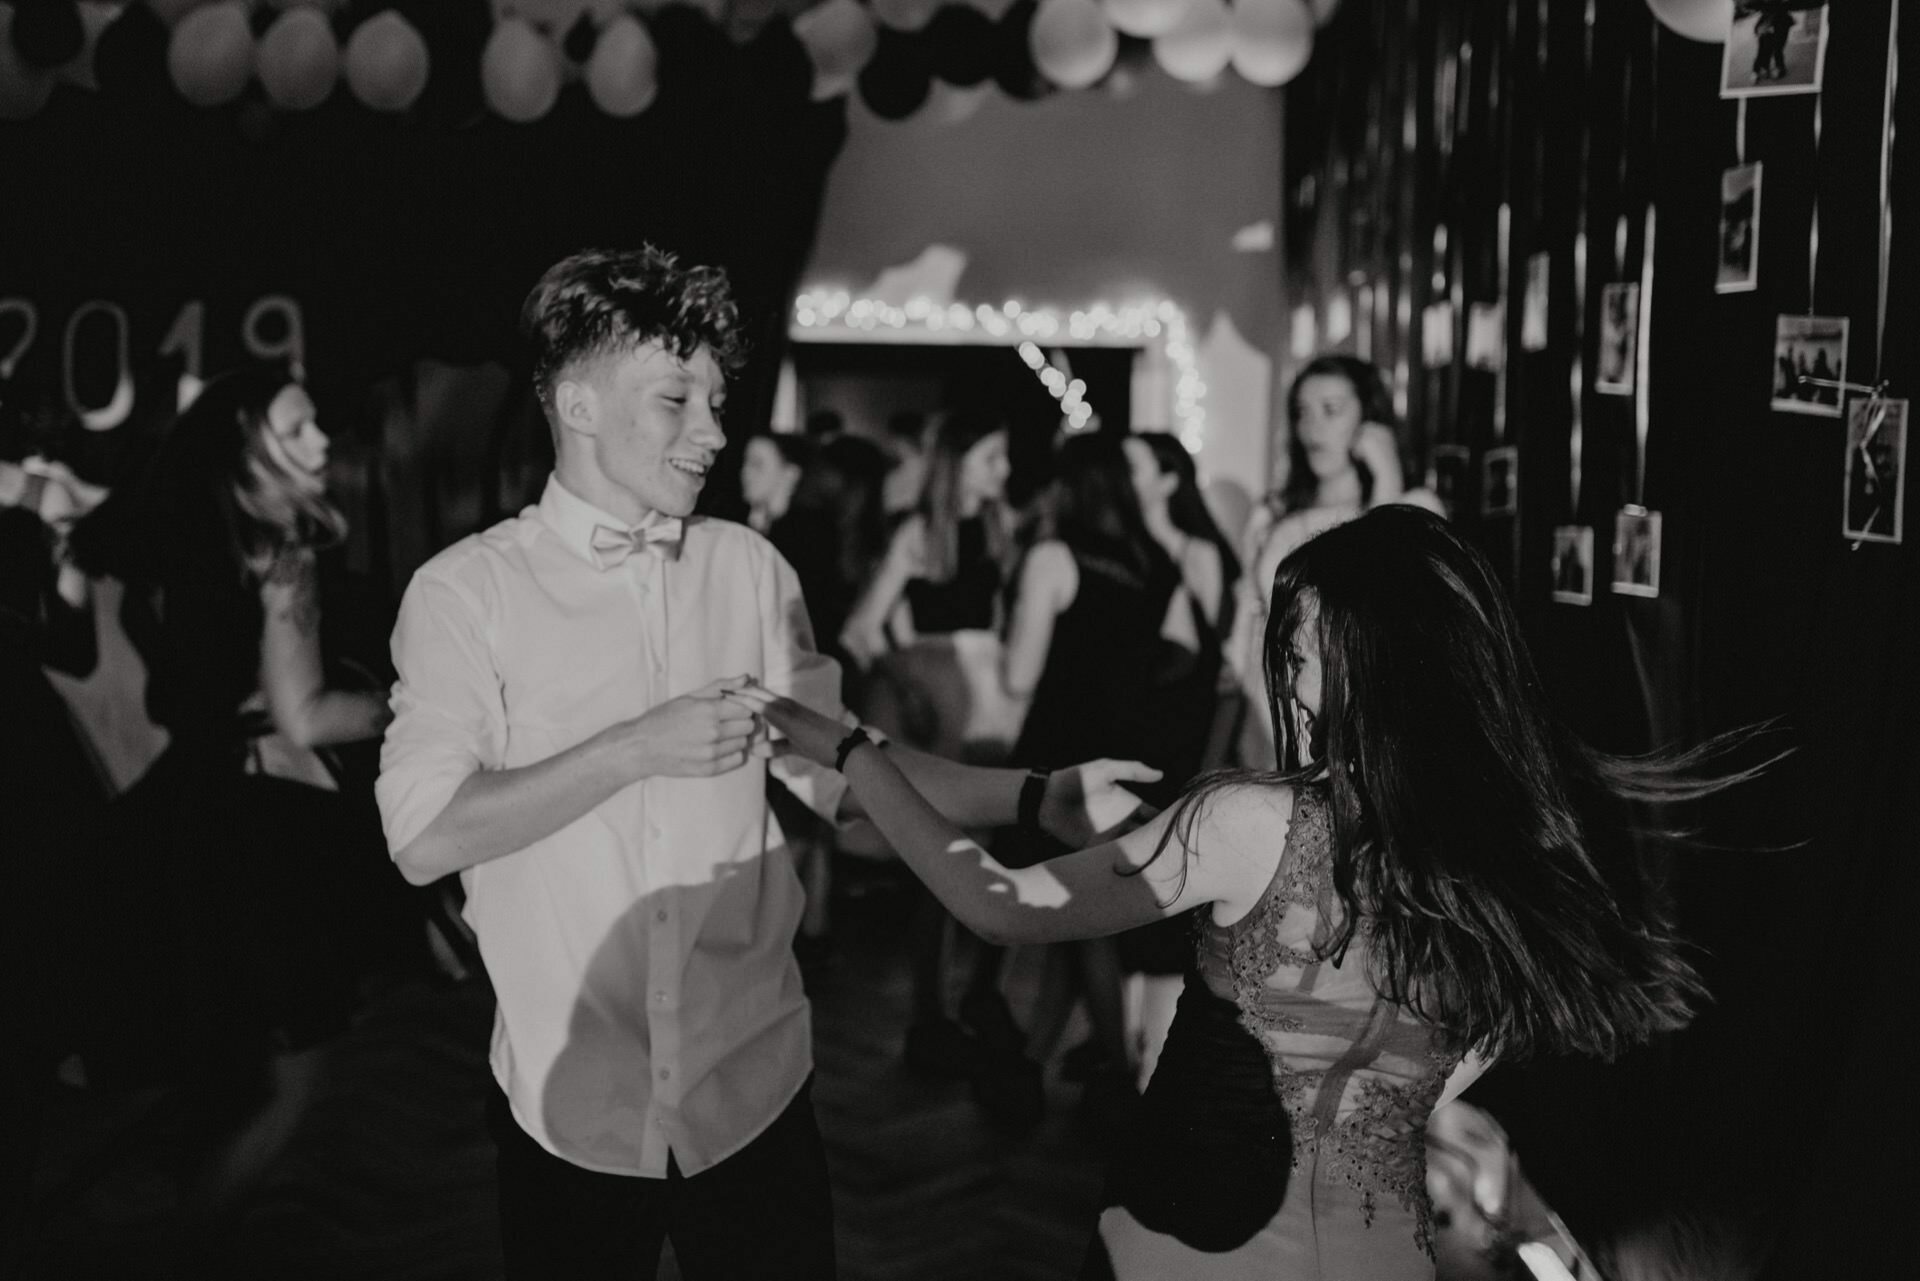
{"x": 1241, "y": 829}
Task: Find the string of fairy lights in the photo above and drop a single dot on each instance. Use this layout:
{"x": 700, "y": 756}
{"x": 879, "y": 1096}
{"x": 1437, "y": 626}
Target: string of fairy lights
{"x": 827, "y": 315}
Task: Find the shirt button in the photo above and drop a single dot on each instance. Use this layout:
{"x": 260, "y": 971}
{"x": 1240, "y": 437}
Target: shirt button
{"x": 665, "y": 1073}
{"x": 660, "y": 914}
{"x": 660, "y": 997}
{"x": 653, "y": 830}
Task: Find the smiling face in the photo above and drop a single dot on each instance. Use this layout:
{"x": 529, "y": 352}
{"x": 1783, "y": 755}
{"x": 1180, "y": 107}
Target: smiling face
{"x": 639, "y": 431}
{"x": 293, "y": 439}
{"x": 983, "y": 472}
{"x": 1304, "y": 677}
{"x": 1327, "y": 417}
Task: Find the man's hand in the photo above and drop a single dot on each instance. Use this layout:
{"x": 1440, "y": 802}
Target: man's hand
{"x": 804, "y": 731}
{"x": 696, "y": 735}
{"x": 1087, "y": 801}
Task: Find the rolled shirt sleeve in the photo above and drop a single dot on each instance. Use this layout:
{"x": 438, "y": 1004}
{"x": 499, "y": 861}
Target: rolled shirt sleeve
{"x": 448, "y": 717}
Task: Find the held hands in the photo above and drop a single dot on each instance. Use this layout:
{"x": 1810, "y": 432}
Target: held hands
{"x": 699, "y": 734}
{"x": 807, "y": 732}
{"x": 1087, "y": 802}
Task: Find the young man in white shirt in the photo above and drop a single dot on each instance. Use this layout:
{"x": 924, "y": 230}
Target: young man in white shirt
{"x": 564, "y": 741}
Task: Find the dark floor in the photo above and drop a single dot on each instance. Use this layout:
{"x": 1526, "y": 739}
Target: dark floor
{"x": 390, "y": 1173}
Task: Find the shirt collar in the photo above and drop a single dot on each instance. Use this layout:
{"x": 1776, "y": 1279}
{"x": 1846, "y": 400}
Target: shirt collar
{"x": 573, "y": 518}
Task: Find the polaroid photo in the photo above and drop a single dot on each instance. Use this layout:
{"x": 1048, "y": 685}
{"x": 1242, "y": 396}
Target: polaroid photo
{"x": 1809, "y": 364}
{"x": 1773, "y": 49}
{"x": 1739, "y": 230}
{"x": 1339, "y": 318}
{"x": 1305, "y": 339}
{"x": 1448, "y": 474}
{"x": 1500, "y": 481}
{"x": 1533, "y": 314}
{"x": 1573, "y": 564}
{"x": 1876, "y": 470}
{"x": 1486, "y": 336}
{"x": 1619, "y": 338}
{"x": 1636, "y": 552}
{"x": 1436, "y": 335}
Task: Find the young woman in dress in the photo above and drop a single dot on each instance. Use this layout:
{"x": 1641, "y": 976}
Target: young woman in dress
{"x": 1441, "y": 873}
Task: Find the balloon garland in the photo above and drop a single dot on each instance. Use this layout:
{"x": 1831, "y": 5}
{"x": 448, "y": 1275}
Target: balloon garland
{"x": 211, "y": 53}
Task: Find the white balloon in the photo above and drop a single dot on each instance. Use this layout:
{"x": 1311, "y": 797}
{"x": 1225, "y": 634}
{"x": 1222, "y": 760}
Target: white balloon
{"x": 520, "y": 72}
{"x": 1144, "y": 18}
{"x": 299, "y": 59}
{"x": 23, "y": 89}
{"x": 1704, "y": 20}
{"x": 211, "y": 53}
{"x": 840, "y": 37}
{"x": 1272, "y": 39}
{"x": 171, "y": 11}
{"x": 1322, "y": 10}
{"x": 1072, "y": 43}
{"x": 387, "y": 62}
{"x": 1200, "y": 44}
{"x": 623, "y": 74}
{"x": 905, "y": 15}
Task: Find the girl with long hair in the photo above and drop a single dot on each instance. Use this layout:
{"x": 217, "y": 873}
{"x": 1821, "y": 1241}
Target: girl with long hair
{"x": 1439, "y": 874}
{"x": 1343, "y": 458}
{"x": 274, "y": 878}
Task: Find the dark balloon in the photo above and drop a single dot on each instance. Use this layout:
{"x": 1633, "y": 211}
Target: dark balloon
{"x": 777, "y": 64}
{"x": 455, "y": 33}
{"x": 896, "y": 83}
{"x": 578, "y": 46}
{"x": 962, "y": 40}
{"x": 695, "y": 58}
{"x": 1013, "y": 68}
{"x": 48, "y": 33}
{"x": 131, "y": 59}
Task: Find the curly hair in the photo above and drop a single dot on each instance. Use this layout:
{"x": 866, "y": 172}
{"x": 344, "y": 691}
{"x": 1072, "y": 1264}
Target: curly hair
{"x": 601, "y": 301}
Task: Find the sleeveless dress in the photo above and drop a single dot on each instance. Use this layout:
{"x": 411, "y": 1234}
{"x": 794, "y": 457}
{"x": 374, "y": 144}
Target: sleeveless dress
{"x": 1283, "y": 1134}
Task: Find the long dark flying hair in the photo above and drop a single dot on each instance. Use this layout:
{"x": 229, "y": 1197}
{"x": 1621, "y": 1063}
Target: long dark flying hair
{"x": 1188, "y": 511}
{"x": 1376, "y": 406}
{"x": 212, "y": 500}
{"x": 1094, "y": 509}
{"x": 939, "y": 505}
{"x": 1486, "y": 853}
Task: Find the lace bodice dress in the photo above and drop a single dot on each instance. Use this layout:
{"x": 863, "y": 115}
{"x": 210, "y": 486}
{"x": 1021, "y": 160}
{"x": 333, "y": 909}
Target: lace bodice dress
{"x": 1355, "y": 1078}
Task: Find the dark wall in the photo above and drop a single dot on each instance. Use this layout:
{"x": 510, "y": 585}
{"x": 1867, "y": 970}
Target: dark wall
{"x": 1775, "y": 1102}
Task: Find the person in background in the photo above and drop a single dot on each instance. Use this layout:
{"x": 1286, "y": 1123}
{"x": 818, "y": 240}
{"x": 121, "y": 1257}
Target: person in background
{"x": 770, "y": 470}
{"x": 1343, "y": 458}
{"x": 240, "y": 834}
{"x": 1440, "y": 875}
{"x": 906, "y": 444}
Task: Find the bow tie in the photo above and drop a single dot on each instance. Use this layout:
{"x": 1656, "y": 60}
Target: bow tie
{"x": 612, "y": 546}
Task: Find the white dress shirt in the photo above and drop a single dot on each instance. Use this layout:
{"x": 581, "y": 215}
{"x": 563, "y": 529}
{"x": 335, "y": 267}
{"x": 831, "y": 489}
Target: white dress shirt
{"x": 641, "y": 956}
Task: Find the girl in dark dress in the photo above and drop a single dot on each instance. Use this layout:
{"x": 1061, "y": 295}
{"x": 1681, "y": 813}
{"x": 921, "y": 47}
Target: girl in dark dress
{"x": 277, "y": 892}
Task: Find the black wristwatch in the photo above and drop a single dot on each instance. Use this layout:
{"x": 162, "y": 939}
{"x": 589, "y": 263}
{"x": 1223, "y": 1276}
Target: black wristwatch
{"x": 847, "y": 744}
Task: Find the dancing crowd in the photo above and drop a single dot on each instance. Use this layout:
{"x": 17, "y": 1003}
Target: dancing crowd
{"x": 1277, "y": 791}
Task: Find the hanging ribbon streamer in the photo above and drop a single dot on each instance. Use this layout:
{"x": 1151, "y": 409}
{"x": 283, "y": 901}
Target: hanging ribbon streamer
{"x": 1740, "y": 130}
{"x": 1643, "y": 348}
{"x": 1576, "y": 434}
{"x": 1886, "y": 194}
{"x": 1813, "y": 224}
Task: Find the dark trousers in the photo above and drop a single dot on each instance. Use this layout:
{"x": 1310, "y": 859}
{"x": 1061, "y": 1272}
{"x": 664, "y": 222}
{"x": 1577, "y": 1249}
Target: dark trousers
{"x": 764, "y": 1212}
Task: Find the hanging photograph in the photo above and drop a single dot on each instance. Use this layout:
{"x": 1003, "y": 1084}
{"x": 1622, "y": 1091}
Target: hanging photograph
{"x": 1619, "y": 338}
{"x": 1448, "y": 478}
{"x": 1739, "y": 230}
{"x": 1500, "y": 481}
{"x": 1436, "y": 335}
{"x": 1486, "y": 336}
{"x": 1809, "y": 364}
{"x": 1636, "y": 552}
{"x": 1573, "y": 564}
{"x": 1774, "y": 48}
{"x": 1533, "y": 314}
{"x": 1876, "y": 470}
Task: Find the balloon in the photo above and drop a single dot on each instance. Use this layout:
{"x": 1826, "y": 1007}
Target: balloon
{"x": 211, "y": 54}
{"x": 1144, "y": 17}
{"x": 1072, "y": 43}
{"x": 776, "y": 66}
{"x": 1705, "y": 20}
{"x": 840, "y": 37}
{"x": 896, "y": 83}
{"x": 1323, "y": 10}
{"x": 130, "y": 59}
{"x": 520, "y": 72}
{"x": 1272, "y": 39}
{"x": 95, "y": 17}
{"x": 47, "y": 33}
{"x": 904, "y": 15}
{"x": 171, "y": 11}
{"x": 387, "y": 63}
{"x": 325, "y": 6}
{"x": 299, "y": 60}
{"x": 1199, "y": 45}
{"x": 24, "y": 88}
{"x": 621, "y": 74}
{"x": 1013, "y": 67}
{"x": 951, "y": 104}
{"x": 962, "y": 40}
